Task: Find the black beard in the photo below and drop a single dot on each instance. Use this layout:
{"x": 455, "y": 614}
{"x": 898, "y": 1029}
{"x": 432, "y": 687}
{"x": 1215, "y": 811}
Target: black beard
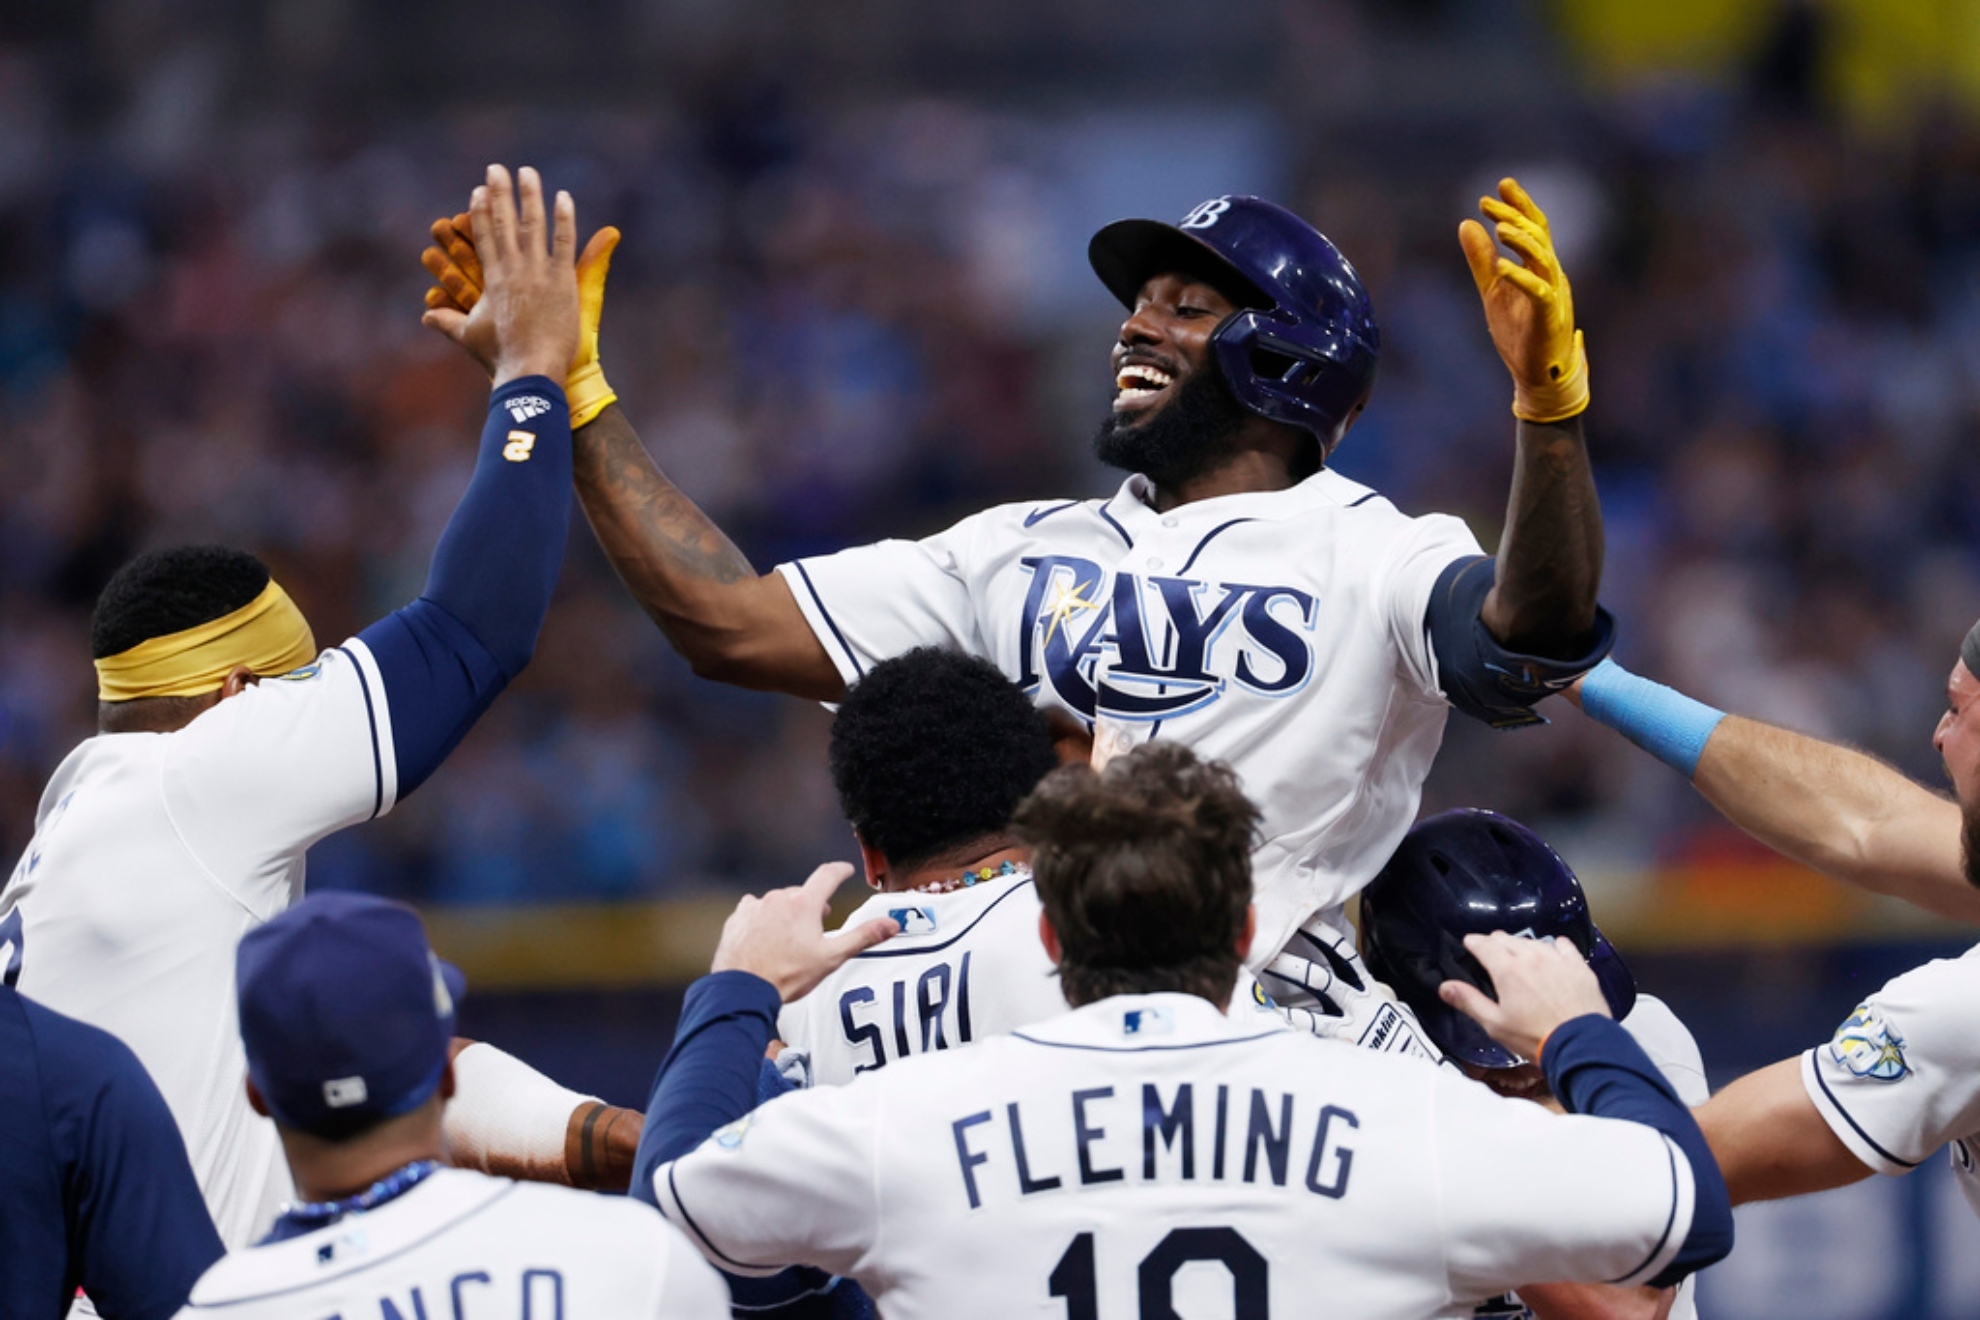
{"x": 1969, "y": 843}
{"x": 1193, "y": 434}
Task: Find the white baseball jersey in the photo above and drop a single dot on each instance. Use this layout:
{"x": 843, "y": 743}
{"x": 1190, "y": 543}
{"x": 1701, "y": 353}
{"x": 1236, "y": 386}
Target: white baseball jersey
{"x": 1901, "y": 1076}
{"x": 1671, "y": 1046}
{"x": 464, "y": 1244}
{"x": 966, "y": 965}
{"x": 1148, "y": 1155}
{"x": 1280, "y": 631}
{"x": 153, "y": 853}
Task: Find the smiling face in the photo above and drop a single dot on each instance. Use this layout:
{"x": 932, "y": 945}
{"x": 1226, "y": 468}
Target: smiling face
{"x": 1164, "y": 341}
{"x": 1174, "y": 416}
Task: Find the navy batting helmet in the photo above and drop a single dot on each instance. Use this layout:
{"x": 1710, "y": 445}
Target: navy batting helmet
{"x": 1470, "y": 873}
{"x": 1302, "y": 350}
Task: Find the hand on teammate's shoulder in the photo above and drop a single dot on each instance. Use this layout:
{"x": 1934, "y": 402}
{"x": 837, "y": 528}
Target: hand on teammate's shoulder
{"x": 781, "y": 936}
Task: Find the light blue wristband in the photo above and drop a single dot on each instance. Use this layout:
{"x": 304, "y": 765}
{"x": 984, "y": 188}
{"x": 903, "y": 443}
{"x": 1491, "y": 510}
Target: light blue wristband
{"x": 1662, "y": 721}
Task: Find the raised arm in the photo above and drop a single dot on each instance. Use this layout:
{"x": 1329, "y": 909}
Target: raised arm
{"x": 727, "y": 621}
{"x": 1542, "y": 601}
{"x": 1836, "y": 810}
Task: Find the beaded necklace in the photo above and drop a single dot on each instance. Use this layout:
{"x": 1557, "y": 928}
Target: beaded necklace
{"x": 301, "y": 1217}
{"x": 950, "y": 884}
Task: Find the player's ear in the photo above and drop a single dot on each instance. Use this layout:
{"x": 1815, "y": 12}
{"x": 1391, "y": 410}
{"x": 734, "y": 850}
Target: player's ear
{"x": 239, "y": 679}
{"x": 1250, "y": 931}
{"x": 255, "y": 1102}
{"x": 874, "y": 861}
{"x": 1050, "y": 939}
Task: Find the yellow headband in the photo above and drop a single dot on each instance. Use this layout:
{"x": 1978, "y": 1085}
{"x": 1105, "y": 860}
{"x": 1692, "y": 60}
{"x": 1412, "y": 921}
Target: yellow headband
{"x": 268, "y": 635}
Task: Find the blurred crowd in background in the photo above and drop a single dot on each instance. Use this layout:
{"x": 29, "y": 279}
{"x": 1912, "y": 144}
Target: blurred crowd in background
{"x": 852, "y": 302}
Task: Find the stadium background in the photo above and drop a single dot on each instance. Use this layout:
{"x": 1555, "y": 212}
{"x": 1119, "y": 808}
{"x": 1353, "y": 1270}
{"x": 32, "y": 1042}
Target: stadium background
{"x": 852, "y": 301}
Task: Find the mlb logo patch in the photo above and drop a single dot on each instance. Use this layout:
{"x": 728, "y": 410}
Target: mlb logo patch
{"x": 1147, "y": 1022}
{"x": 343, "y": 1248}
{"x": 913, "y": 920}
{"x": 343, "y": 1092}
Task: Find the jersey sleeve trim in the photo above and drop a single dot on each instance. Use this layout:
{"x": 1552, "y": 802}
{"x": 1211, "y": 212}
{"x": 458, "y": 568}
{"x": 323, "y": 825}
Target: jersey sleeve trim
{"x": 1850, "y": 1132}
{"x": 812, "y": 606}
{"x": 1682, "y": 1192}
{"x": 383, "y": 755}
{"x": 676, "y": 1209}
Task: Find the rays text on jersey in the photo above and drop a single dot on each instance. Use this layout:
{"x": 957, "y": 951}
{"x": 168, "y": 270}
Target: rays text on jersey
{"x": 1151, "y": 648}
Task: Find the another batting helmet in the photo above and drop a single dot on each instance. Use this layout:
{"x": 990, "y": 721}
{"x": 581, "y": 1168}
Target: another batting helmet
{"x": 1303, "y": 350}
{"x": 1470, "y": 873}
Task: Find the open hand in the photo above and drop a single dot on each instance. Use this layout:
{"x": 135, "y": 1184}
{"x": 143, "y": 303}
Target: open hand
{"x": 1528, "y": 306}
{"x": 524, "y": 321}
{"x": 456, "y": 272}
{"x": 1541, "y": 984}
{"x": 781, "y": 936}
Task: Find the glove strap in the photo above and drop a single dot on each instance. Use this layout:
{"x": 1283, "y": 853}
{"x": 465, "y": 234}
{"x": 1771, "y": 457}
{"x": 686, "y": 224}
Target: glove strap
{"x": 588, "y": 393}
{"x": 1556, "y": 401}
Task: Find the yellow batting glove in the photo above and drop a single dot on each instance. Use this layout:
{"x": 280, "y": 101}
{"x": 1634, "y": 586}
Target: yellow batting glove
{"x": 453, "y": 264}
{"x": 1528, "y": 306}
{"x": 457, "y": 273}
{"x": 585, "y": 386}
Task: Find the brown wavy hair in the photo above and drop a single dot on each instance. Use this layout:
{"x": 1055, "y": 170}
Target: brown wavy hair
{"x": 1145, "y": 872}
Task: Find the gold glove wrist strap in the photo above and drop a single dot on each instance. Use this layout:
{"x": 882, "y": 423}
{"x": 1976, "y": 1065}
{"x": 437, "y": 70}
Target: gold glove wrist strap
{"x": 1557, "y": 400}
{"x": 588, "y": 394}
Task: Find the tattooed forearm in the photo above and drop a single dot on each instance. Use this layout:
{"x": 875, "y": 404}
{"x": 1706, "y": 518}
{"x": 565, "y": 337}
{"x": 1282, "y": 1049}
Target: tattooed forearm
{"x": 724, "y": 619}
{"x": 1550, "y": 559}
{"x": 649, "y": 530}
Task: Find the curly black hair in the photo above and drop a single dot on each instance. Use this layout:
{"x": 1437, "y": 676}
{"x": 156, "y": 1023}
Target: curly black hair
{"x": 933, "y": 749}
{"x": 167, "y": 591}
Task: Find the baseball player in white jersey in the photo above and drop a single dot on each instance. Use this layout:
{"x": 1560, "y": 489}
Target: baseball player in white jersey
{"x": 346, "y": 1016}
{"x": 1901, "y": 1076}
{"x": 1234, "y": 594}
{"x": 1473, "y": 872}
{"x": 1146, "y": 1153}
{"x": 930, "y": 755}
{"x": 228, "y": 745}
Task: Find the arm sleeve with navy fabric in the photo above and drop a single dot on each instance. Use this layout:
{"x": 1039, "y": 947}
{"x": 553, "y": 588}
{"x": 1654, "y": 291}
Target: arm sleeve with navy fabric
{"x": 1481, "y": 677}
{"x": 445, "y": 657}
{"x": 138, "y": 1224}
{"x": 1595, "y": 1067}
{"x": 710, "y": 1076}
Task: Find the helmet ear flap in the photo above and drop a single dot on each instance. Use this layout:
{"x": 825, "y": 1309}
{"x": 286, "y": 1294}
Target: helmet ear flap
{"x": 1277, "y": 371}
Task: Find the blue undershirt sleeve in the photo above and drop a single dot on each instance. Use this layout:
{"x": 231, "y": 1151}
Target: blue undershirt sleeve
{"x": 446, "y": 656}
{"x": 140, "y": 1229}
{"x": 1479, "y": 676}
{"x": 710, "y": 1076}
{"x": 1596, "y": 1067}
{"x": 714, "y": 1074}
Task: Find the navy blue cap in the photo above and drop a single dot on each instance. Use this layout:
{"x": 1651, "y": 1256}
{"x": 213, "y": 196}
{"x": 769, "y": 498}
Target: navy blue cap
{"x": 345, "y": 1011}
